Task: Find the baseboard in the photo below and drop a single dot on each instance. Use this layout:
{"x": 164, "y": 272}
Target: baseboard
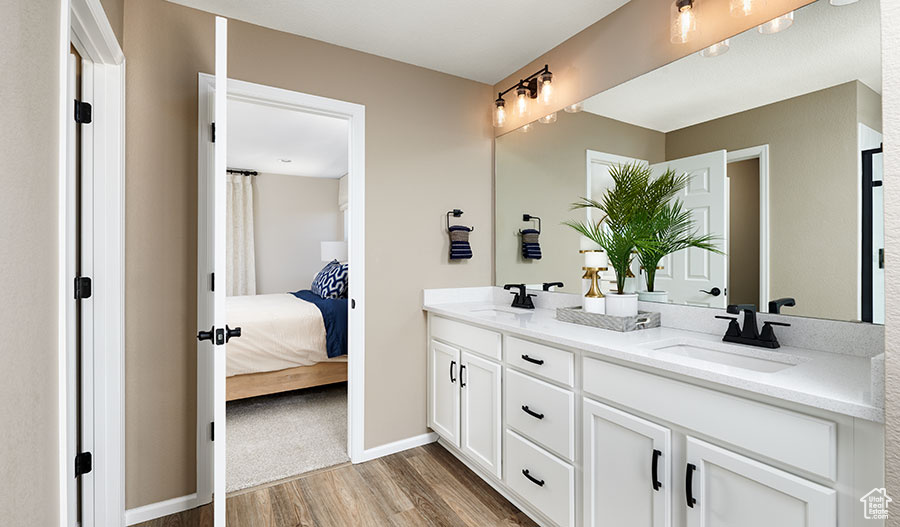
{"x": 398, "y": 446}
{"x": 160, "y": 509}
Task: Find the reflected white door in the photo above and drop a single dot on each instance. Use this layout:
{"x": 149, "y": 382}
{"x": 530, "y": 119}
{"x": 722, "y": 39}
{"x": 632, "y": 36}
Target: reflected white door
{"x": 691, "y": 276}
{"x": 211, "y": 283}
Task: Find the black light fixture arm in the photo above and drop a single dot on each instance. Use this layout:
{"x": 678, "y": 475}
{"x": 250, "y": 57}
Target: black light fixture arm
{"x": 529, "y": 83}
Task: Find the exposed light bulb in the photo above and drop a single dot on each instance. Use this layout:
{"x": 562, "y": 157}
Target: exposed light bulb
{"x": 521, "y": 101}
{"x": 684, "y": 21}
{"x": 499, "y": 113}
{"x": 574, "y": 108}
{"x": 549, "y": 118}
{"x": 746, "y": 7}
{"x": 719, "y": 48}
{"x": 777, "y": 24}
{"x": 545, "y": 88}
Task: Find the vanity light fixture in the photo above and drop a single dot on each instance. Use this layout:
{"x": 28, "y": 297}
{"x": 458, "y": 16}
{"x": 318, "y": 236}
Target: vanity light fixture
{"x": 746, "y": 7}
{"x": 776, "y": 24}
{"x": 719, "y": 48}
{"x": 549, "y": 118}
{"x": 684, "y": 21}
{"x": 538, "y": 85}
{"x": 527, "y": 128}
{"x": 574, "y": 108}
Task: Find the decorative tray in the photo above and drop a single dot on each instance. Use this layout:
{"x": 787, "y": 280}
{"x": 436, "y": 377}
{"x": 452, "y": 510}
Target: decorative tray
{"x": 576, "y": 315}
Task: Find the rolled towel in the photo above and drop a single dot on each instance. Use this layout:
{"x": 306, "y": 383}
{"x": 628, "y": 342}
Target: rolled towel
{"x": 459, "y": 243}
{"x": 531, "y": 246}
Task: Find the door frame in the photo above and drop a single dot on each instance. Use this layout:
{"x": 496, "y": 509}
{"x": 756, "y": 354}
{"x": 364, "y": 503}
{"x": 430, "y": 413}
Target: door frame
{"x": 84, "y": 25}
{"x": 762, "y": 153}
{"x": 355, "y": 115}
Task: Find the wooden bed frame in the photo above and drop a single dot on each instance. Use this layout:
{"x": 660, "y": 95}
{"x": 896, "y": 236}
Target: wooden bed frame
{"x": 265, "y": 383}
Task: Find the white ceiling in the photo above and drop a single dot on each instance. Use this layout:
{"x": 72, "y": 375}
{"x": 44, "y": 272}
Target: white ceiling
{"x": 259, "y": 137}
{"x": 482, "y": 40}
{"x": 826, "y": 46}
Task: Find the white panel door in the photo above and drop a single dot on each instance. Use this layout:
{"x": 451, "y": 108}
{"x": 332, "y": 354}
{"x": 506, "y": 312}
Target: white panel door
{"x": 443, "y": 396}
{"x": 688, "y": 273}
{"x": 724, "y": 489}
{"x": 479, "y": 381}
{"x": 627, "y": 469}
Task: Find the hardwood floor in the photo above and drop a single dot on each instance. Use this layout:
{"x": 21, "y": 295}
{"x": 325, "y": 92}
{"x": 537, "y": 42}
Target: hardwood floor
{"x": 422, "y": 486}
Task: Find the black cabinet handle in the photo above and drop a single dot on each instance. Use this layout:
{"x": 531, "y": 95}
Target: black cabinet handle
{"x": 462, "y": 381}
{"x": 231, "y": 333}
{"x": 538, "y": 482}
{"x": 655, "y": 471}
{"x": 531, "y": 412}
{"x": 452, "y": 368}
{"x": 689, "y": 485}
{"x": 533, "y": 361}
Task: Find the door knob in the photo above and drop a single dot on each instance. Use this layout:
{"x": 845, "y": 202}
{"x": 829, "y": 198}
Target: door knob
{"x": 715, "y": 291}
{"x": 206, "y": 335}
{"x": 231, "y": 332}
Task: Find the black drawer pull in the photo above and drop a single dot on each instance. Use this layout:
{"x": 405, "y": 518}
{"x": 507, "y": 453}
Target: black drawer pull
{"x": 531, "y": 412}
{"x": 538, "y": 482}
{"x": 452, "y": 368}
{"x": 533, "y": 361}
{"x": 689, "y": 485}
{"x": 655, "y": 475}
{"x": 462, "y": 381}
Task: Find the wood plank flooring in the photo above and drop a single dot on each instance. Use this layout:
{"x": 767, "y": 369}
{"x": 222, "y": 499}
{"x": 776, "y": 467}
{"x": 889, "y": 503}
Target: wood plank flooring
{"x": 423, "y": 486}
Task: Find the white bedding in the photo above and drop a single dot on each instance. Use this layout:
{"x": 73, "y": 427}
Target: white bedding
{"x": 277, "y": 332}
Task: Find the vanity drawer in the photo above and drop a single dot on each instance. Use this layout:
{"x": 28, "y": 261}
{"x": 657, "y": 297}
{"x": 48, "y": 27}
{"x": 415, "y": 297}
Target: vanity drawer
{"x": 550, "y": 415}
{"x": 472, "y": 338}
{"x": 551, "y": 363}
{"x": 802, "y": 441}
{"x": 549, "y": 485}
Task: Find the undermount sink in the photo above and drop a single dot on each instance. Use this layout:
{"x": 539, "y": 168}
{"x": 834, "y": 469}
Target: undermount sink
{"x": 500, "y": 311}
{"x": 759, "y": 360}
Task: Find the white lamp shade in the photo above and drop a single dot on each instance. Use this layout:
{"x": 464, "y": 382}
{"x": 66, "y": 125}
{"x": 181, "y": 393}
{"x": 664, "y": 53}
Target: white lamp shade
{"x": 334, "y": 251}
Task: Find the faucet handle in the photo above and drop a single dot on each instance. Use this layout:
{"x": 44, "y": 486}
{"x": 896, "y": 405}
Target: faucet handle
{"x": 773, "y": 323}
{"x": 768, "y": 334}
{"x": 734, "y": 329}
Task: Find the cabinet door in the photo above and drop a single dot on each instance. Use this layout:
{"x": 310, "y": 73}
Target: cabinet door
{"x": 627, "y": 476}
{"x": 481, "y": 427}
{"x": 724, "y": 489}
{"x": 443, "y": 391}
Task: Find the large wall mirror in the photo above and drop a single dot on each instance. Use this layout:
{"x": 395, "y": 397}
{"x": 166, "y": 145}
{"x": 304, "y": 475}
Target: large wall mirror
{"x": 780, "y": 136}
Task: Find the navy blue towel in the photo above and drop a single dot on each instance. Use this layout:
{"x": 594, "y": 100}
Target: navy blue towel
{"x": 459, "y": 243}
{"x": 531, "y": 247}
{"x": 334, "y": 315}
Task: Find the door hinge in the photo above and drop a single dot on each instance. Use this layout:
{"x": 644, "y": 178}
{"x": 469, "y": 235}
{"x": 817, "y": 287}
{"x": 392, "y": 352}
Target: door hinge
{"x": 83, "y": 463}
{"x": 212, "y": 282}
{"x": 212, "y": 431}
{"x": 82, "y": 287}
{"x": 83, "y": 114}
{"x": 212, "y": 132}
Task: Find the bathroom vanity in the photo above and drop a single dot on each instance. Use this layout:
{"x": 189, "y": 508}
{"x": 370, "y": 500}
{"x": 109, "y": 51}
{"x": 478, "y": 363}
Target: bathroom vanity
{"x": 668, "y": 426}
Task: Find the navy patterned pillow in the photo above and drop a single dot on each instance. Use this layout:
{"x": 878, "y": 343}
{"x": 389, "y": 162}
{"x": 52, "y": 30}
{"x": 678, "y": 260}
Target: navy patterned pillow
{"x": 331, "y": 282}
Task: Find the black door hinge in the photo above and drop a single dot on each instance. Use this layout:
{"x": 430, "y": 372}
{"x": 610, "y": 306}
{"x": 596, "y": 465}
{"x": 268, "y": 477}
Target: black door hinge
{"x": 212, "y": 431}
{"x": 83, "y": 463}
{"x": 82, "y": 287}
{"x": 212, "y": 131}
{"x": 83, "y": 114}
{"x": 212, "y": 282}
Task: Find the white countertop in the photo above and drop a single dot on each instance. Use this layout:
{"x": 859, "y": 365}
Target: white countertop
{"x": 830, "y": 381}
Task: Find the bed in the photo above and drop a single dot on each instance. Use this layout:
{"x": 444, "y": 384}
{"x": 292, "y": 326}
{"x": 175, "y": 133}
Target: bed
{"x": 288, "y": 341}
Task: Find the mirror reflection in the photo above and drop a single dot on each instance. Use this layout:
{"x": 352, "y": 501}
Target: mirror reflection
{"x": 779, "y": 137}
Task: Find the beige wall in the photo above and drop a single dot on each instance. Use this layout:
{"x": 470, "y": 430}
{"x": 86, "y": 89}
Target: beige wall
{"x": 428, "y": 150}
{"x": 626, "y": 44}
{"x": 115, "y": 13}
{"x": 292, "y": 215}
{"x": 743, "y": 232}
{"x": 28, "y": 262}
{"x": 543, "y": 172}
{"x": 813, "y": 158}
{"x": 890, "y": 31}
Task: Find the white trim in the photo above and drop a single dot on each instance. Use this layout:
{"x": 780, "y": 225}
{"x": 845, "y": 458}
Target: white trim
{"x": 355, "y": 115}
{"x": 762, "y": 153}
{"x": 398, "y": 446}
{"x": 160, "y": 509}
{"x": 93, "y": 35}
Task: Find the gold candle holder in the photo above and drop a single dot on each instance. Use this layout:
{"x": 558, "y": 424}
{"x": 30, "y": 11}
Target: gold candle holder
{"x": 591, "y": 273}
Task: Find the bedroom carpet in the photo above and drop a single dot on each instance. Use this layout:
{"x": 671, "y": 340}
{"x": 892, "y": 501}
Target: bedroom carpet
{"x": 274, "y": 437}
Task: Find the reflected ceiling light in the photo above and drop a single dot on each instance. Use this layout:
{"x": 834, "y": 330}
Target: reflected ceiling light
{"x": 746, "y": 7}
{"x": 719, "y": 48}
{"x": 776, "y": 24}
{"x": 683, "y": 21}
{"x": 549, "y": 118}
{"x": 538, "y": 85}
{"x": 574, "y": 108}
{"x": 843, "y": 2}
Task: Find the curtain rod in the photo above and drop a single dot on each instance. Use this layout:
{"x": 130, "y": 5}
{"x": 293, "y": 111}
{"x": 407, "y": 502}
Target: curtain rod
{"x": 243, "y": 172}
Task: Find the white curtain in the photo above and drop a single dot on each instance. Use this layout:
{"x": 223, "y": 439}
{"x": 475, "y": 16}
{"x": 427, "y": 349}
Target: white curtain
{"x": 240, "y": 253}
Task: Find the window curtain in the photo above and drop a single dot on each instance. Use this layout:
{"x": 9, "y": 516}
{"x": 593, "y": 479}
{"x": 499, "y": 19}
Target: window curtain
{"x": 240, "y": 253}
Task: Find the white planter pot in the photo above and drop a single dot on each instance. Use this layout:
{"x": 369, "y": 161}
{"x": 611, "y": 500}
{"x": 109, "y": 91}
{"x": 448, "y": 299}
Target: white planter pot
{"x": 655, "y": 296}
{"x": 594, "y": 305}
{"x": 625, "y": 305}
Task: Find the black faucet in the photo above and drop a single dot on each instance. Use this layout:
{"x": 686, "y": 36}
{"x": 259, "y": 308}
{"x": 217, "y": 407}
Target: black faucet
{"x": 749, "y": 334}
{"x": 776, "y": 305}
{"x": 522, "y": 299}
{"x": 548, "y": 285}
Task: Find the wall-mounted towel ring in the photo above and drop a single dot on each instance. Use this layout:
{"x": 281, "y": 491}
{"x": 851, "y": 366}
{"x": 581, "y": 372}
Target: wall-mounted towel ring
{"x": 456, "y": 214}
{"x": 529, "y": 217}
{"x": 459, "y": 238}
